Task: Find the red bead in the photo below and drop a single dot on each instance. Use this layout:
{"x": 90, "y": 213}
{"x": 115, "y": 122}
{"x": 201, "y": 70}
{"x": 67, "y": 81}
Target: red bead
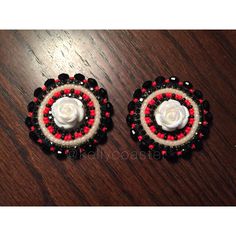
{"x": 44, "y": 88}
{"x": 135, "y": 100}
{"x": 32, "y": 128}
{"x": 180, "y": 83}
{"x": 148, "y": 120}
{"x": 200, "y": 100}
{"x": 151, "y": 146}
{"x": 92, "y": 112}
{"x": 152, "y": 102}
{"x": 140, "y": 138}
{"x": 131, "y": 113}
{"x": 191, "y": 90}
{"x": 57, "y": 94}
{"x": 85, "y": 97}
{"x": 78, "y": 134}
{"x": 77, "y": 92}
{"x": 168, "y": 95}
{"x": 153, "y": 128}
{"x": 35, "y": 99}
{"x": 154, "y": 84}
{"x": 86, "y": 129}
{"x": 72, "y": 78}
{"x": 159, "y": 96}
{"x": 91, "y": 104}
{"x": 187, "y": 102}
{"x": 91, "y": 121}
{"x": 45, "y": 120}
{"x": 58, "y": 135}
{"x": 30, "y": 114}
{"x": 167, "y": 81}
{"x": 178, "y": 97}
{"x": 179, "y": 153}
{"x": 104, "y": 129}
{"x": 104, "y": 101}
{"x": 143, "y": 90}
{"x": 205, "y": 123}
{"x": 163, "y": 152}
{"x": 50, "y": 101}
{"x": 147, "y": 111}
{"x": 191, "y": 111}
{"x": 52, "y": 149}
{"x": 40, "y": 140}
{"x": 133, "y": 126}
{"x": 96, "y": 88}
{"x": 66, "y": 91}
{"x": 46, "y": 110}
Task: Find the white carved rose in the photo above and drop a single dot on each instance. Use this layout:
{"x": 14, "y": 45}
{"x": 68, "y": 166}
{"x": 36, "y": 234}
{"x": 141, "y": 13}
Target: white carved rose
{"x": 171, "y": 115}
{"x": 67, "y": 112}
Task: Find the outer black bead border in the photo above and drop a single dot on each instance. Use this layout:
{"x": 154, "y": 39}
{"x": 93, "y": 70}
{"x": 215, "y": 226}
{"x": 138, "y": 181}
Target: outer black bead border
{"x": 159, "y": 151}
{"x": 89, "y": 146}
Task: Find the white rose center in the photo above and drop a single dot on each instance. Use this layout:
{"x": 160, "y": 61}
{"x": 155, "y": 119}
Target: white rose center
{"x": 171, "y": 115}
{"x": 67, "y": 112}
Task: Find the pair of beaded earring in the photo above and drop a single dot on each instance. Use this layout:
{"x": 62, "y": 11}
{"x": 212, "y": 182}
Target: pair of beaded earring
{"x": 72, "y": 115}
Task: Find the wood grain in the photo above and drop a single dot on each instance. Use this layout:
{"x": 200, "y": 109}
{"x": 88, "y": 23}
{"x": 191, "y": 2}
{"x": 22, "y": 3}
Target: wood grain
{"x": 117, "y": 174}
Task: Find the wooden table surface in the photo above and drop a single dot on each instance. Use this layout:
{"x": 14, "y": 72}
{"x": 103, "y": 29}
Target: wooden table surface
{"x": 120, "y": 61}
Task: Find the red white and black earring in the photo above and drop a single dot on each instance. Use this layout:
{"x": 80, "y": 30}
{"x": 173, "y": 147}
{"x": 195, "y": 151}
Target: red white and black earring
{"x": 168, "y": 118}
{"x": 69, "y": 116}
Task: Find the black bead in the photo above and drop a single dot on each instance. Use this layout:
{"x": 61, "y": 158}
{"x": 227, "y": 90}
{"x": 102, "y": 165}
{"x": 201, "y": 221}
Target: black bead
{"x": 137, "y": 93}
{"x": 92, "y": 82}
{"x": 63, "y": 77}
{"x": 160, "y": 80}
{"x": 198, "y": 144}
{"x": 50, "y": 83}
{"x": 31, "y": 106}
{"x": 172, "y": 157}
{"x": 129, "y": 120}
{"x": 38, "y": 92}
{"x": 206, "y": 105}
{"x": 144, "y": 146}
{"x": 60, "y": 154}
{"x": 147, "y": 84}
{"x": 134, "y": 134}
{"x": 198, "y": 93}
{"x": 46, "y": 148}
{"x": 102, "y": 93}
{"x": 28, "y": 122}
{"x": 186, "y": 153}
{"x": 33, "y": 136}
{"x": 74, "y": 153}
{"x": 109, "y": 107}
{"x": 90, "y": 148}
{"x": 101, "y": 137}
{"x": 187, "y": 85}
{"x": 174, "y": 79}
{"x": 204, "y": 131}
{"x": 209, "y": 116}
{"x": 131, "y": 106}
{"x": 79, "y": 77}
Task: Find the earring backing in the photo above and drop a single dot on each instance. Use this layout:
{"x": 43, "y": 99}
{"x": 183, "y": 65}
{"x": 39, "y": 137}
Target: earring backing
{"x": 69, "y": 116}
{"x": 168, "y": 118}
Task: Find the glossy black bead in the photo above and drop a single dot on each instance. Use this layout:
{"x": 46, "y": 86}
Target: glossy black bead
{"x": 143, "y": 146}
{"x": 186, "y": 153}
{"x": 74, "y": 153}
{"x": 174, "y": 79}
{"x": 187, "y": 85}
{"x": 33, "y": 136}
{"x": 79, "y": 77}
{"x": 129, "y": 120}
{"x": 209, "y": 117}
{"x": 46, "y": 148}
{"x": 198, "y": 144}
{"x": 28, "y": 122}
{"x": 60, "y": 154}
{"x": 50, "y": 83}
{"x": 134, "y": 134}
{"x": 172, "y": 157}
{"x": 101, "y": 137}
{"x": 160, "y": 80}
{"x": 38, "y": 93}
{"x": 137, "y": 93}
{"x": 90, "y": 148}
{"x": 102, "y": 93}
{"x": 63, "y": 77}
{"x": 147, "y": 84}
{"x": 204, "y": 131}
{"x": 198, "y": 93}
{"x": 92, "y": 82}
{"x": 131, "y": 106}
{"x": 109, "y": 108}
{"x": 206, "y": 105}
{"x": 31, "y": 106}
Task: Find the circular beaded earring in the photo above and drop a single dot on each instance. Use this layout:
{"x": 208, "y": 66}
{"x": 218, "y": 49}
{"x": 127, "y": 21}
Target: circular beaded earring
{"x": 168, "y": 118}
{"x": 69, "y": 116}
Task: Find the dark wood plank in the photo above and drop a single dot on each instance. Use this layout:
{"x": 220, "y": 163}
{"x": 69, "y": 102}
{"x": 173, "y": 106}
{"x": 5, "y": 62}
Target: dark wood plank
{"x": 117, "y": 174}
